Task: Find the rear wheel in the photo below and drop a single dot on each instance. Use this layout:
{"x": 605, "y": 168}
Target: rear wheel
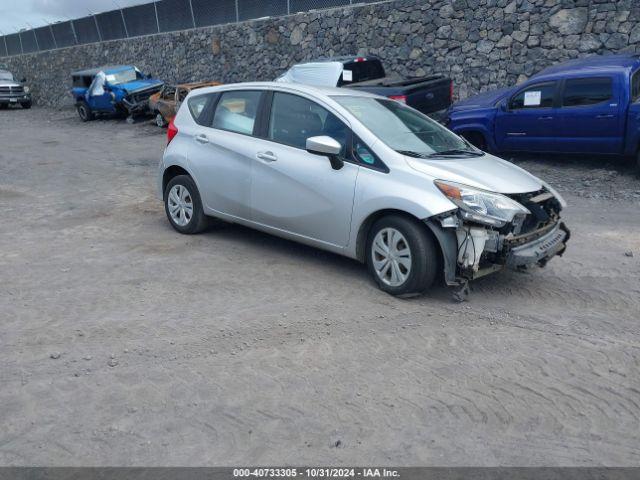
{"x": 84, "y": 112}
{"x": 401, "y": 256}
{"x": 183, "y": 205}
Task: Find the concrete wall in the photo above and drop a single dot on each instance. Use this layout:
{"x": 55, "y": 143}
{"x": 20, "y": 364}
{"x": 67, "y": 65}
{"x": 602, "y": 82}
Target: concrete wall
{"x": 480, "y": 43}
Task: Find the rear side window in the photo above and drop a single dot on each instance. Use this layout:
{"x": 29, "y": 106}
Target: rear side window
{"x": 236, "y": 111}
{"x": 587, "y": 91}
{"x": 536, "y": 96}
{"x": 294, "y": 119}
{"x": 197, "y": 108}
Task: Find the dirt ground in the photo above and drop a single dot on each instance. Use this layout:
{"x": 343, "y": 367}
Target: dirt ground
{"x": 125, "y": 343}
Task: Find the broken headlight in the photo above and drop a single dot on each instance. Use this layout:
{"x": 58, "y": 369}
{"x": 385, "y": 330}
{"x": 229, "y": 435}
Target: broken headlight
{"x": 481, "y": 206}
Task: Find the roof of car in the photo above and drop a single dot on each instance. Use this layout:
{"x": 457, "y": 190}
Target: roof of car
{"x": 594, "y": 64}
{"x": 104, "y": 68}
{"x": 295, "y": 87}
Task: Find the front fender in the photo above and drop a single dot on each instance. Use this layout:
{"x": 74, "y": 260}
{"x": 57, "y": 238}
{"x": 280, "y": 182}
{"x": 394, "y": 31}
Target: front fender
{"x": 481, "y": 121}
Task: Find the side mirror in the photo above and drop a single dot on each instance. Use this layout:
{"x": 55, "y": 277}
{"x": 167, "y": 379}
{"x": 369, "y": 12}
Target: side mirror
{"x": 326, "y": 147}
{"x": 503, "y": 105}
{"x": 148, "y": 76}
{"x": 24, "y": 79}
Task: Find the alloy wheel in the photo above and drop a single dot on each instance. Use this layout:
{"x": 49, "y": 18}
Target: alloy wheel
{"x": 391, "y": 256}
{"x": 180, "y": 205}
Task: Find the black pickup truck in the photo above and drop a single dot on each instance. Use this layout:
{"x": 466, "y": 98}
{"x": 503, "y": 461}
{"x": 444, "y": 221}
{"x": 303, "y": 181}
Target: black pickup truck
{"x": 431, "y": 95}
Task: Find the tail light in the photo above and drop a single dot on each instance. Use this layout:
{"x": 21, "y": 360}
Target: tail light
{"x": 451, "y": 91}
{"x": 172, "y": 131}
{"x": 399, "y": 98}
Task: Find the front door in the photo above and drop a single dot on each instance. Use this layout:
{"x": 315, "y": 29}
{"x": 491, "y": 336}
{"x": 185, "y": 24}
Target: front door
{"x": 529, "y": 123}
{"x": 293, "y": 190}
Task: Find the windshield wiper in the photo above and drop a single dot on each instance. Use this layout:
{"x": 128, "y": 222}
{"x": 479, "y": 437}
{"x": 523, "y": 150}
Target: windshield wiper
{"x": 410, "y": 153}
{"x": 457, "y": 151}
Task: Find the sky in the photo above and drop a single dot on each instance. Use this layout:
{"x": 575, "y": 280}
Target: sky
{"x": 18, "y": 14}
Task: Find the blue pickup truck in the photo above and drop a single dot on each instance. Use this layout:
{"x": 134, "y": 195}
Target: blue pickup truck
{"x": 589, "y": 106}
{"x": 112, "y": 89}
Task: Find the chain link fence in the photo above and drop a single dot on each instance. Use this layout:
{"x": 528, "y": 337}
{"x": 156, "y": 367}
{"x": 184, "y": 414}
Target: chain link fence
{"x": 155, "y": 17}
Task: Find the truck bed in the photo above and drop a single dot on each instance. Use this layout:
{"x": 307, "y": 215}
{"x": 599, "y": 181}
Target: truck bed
{"x": 427, "y": 94}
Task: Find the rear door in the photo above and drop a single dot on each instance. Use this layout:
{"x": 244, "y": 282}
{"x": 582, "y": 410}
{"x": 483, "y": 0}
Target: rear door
{"x": 293, "y": 190}
{"x": 530, "y": 122}
{"x": 591, "y": 116}
{"x": 223, "y": 151}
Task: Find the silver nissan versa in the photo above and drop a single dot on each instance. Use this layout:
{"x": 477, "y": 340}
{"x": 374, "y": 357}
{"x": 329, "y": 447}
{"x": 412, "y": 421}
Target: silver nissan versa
{"x": 359, "y": 175}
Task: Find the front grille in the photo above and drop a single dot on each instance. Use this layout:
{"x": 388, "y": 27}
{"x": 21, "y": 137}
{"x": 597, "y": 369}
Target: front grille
{"x": 10, "y": 90}
{"x": 543, "y": 212}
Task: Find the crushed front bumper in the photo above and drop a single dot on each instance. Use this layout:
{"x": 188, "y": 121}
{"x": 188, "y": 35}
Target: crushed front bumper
{"x": 540, "y": 250}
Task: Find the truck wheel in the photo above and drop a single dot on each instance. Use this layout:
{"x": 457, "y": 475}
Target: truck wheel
{"x": 84, "y": 112}
{"x": 160, "y": 121}
{"x": 26, "y": 105}
{"x": 401, "y": 256}
{"x": 476, "y": 139}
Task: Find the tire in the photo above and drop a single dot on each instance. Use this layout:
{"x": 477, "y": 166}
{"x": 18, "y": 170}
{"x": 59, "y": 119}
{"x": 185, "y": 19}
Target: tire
{"x": 26, "y": 105}
{"x": 84, "y": 112}
{"x": 419, "y": 269}
{"x": 476, "y": 139}
{"x": 160, "y": 121}
{"x": 182, "y": 190}
{"x": 4, "y": 106}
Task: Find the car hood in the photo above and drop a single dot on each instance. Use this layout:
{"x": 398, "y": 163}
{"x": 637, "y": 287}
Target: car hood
{"x": 486, "y": 172}
{"x": 138, "y": 85}
{"x": 483, "y": 100}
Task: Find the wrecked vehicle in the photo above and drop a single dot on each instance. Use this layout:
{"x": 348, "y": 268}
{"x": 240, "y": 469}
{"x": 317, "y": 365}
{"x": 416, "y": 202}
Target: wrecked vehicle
{"x": 359, "y": 175}
{"x": 166, "y": 102}
{"x": 13, "y": 92}
{"x": 112, "y": 89}
{"x": 432, "y": 94}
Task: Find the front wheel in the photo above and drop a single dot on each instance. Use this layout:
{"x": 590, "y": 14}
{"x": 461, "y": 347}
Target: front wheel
{"x": 26, "y": 105}
{"x": 84, "y": 112}
{"x": 183, "y": 206}
{"x": 401, "y": 256}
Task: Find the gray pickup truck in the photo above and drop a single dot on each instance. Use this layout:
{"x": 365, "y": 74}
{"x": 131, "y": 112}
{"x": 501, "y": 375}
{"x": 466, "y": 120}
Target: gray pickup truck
{"x": 13, "y": 92}
{"x": 431, "y": 95}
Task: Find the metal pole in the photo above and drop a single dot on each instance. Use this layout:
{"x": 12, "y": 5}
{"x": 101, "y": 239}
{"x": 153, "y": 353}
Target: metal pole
{"x": 288, "y": 7}
{"x": 155, "y": 7}
{"x": 124, "y": 22}
{"x": 20, "y": 38}
{"x": 35, "y": 37}
{"x": 95, "y": 19}
{"x": 193, "y": 17}
{"x": 237, "y": 12}
{"x": 53, "y": 35}
{"x": 73, "y": 30}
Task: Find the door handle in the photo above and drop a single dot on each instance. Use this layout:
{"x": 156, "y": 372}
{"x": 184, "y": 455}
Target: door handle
{"x": 545, "y": 118}
{"x": 266, "y": 156}
{"x": 604, "y": 116}
{"x": 201, "y": 138}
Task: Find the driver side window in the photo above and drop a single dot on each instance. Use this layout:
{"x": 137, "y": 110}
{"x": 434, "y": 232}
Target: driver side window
{"x": 294, "y": 119}
{"x": 535, "y": 96}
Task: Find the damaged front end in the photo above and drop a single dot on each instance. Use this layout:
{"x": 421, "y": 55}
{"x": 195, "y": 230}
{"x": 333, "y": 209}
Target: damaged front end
{"x": 137, "y": 102}
{"x": 490, "y": 231}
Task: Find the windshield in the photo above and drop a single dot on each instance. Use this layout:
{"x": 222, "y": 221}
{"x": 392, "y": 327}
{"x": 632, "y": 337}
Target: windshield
{"x": 123, "y": 76}
{"x": 6, "y": 76}
{"x": 404, "y": 129}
